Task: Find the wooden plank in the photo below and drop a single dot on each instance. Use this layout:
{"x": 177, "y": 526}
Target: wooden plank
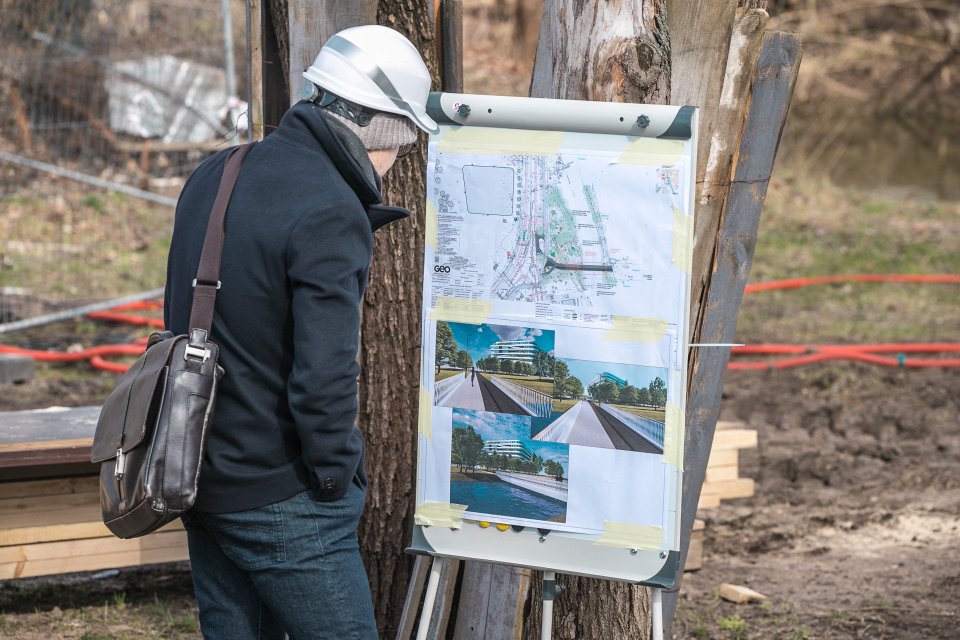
{"x": 708, "y": 501}
{"x": 492, "y": 600}
{"x": 58, "y": 486}
{"x": 311, "y": 23}
{"x": 81, "y": 513}
{"x": 91, "y": 546}
{"x": 13, "y": 506}
{"x": 730, "y": 424}
{"x": 739, "y": 594}
{"x": 717, "y": 473}
{"x": 720, "y": 137}
{"x": 772, "y": 89}
{"x": 694, "y": 559}
{"x": 723, "y": 457}
{"x": 255, "y": 14}
{"x": 411, "y": 606}
{"x": 444, "y": 602}
{"x": 729, "y": 489}
{"x": 62, "y": 531}
{"x": 734, "y": 439}
{"x": 699, "y": 42}
{"x": 94, "y": 554}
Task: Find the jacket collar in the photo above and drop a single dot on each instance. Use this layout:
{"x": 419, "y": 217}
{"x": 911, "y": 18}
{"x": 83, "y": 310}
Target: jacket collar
{"x": 305, "y": 125}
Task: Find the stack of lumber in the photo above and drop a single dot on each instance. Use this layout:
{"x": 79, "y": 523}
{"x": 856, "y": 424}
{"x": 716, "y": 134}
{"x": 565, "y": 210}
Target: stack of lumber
{"x": 54, "y": 526}
{"x": 723, "y": 481}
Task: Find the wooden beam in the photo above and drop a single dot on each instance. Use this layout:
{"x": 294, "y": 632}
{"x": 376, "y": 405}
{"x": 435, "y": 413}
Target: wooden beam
{"x": 89, "y": 555}
{"x": 444, "y": 602}
{"x": 411, "y": 607}
{"x": 719, "y": 141}
{"x": 311, "y": 23}
{"x": 451, "y": 46}
{"x": 275, "y": 96}
{"x": 492, "y": 600}
{"x": 772, "y": 88}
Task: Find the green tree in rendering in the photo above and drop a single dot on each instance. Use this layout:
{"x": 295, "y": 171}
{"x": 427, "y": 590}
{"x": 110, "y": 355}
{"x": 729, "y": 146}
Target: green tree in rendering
{"x": 466, "y": 448}
{"x": 643, "y": 396}
{"x": 560, "y": 374}
{"x": 628, "y": 395}
{"x": 463, "y": 360}
{"x": 573, "y": 388}
{"x": 658, "y": 392}
{"x": 605, "y": 391}
{"x": 447, "y": 347}
{"x": 554, "y": 469}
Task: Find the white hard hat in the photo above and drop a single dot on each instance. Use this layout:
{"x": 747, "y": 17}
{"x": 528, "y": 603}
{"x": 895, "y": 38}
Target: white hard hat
{"x": 378, "y": 68}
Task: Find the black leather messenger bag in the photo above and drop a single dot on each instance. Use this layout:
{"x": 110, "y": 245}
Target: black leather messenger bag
{"x": 152, "y": 428}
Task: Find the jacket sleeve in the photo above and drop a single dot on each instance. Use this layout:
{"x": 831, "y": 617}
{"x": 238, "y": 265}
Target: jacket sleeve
{"x": 328, "y": 256}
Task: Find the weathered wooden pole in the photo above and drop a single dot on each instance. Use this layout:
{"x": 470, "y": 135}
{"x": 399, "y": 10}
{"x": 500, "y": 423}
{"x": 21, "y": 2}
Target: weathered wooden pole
{"x": 773, "y": 82}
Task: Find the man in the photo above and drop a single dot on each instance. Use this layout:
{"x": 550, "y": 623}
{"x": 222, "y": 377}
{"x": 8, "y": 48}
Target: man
{"x": 272, "y": 537}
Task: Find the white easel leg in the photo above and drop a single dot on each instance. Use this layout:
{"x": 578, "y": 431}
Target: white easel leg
{"x": 549, "y": 592}
{"x": 657, "y": 614}
{"x": 430, "y": 597}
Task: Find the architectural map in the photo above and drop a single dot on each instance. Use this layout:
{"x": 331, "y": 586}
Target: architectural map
{"x": 572, "y": 235}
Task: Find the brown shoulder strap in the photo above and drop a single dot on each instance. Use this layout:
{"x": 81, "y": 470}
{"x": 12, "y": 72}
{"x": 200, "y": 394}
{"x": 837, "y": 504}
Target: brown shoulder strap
{"x": 208, "y": 273}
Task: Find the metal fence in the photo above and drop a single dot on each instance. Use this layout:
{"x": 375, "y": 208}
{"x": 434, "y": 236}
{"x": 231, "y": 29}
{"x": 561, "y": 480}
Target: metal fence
{"x": 108, "y": 106}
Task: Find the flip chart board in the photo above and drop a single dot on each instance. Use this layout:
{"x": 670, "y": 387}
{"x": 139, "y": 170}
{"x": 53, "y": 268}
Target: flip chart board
{"x": 555, "y": 303}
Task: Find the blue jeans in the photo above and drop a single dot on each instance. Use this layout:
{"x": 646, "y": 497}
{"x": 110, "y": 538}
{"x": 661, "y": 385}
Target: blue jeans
{"x": 290, "y": 567}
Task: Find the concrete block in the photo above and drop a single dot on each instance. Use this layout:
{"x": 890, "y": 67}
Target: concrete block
{"x": 16, "y": 368}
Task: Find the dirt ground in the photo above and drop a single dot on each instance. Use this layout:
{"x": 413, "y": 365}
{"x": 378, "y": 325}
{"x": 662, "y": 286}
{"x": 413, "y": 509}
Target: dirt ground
{"x": 854, "y": 531}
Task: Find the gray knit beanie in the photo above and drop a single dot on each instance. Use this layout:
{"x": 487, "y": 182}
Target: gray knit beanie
{"x": 385, "y": 131}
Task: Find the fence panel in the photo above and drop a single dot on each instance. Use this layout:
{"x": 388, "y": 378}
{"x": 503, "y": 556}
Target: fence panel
{"x": 109, "y": 105}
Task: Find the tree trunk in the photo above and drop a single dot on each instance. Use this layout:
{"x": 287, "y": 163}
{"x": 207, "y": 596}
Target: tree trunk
{"x": 390, "y": 355}
{"x": 615, "y": 51}
{"x": 390, "y": 340}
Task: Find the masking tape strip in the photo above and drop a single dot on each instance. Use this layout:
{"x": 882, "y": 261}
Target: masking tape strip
{"x": 681, "y": 253}
{"x": 629, "y": 329}
{"x": 431, "y": 226}
{"x": 488, "y": 140}
{"x": 460, "y": 309}
{"x": 439, "y": 514}
{"x": 624, "y": 535}
{"x": 673, "y": 436}
{"x": 425, "y": 417}
{"x": 652, "y": 151}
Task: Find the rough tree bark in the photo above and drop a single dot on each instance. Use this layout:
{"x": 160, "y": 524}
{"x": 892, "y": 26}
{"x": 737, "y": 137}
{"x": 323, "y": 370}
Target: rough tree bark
{"x": 390, "y": 354}
{"x": 615, "y": 51}
{"x": 390, "y": 340}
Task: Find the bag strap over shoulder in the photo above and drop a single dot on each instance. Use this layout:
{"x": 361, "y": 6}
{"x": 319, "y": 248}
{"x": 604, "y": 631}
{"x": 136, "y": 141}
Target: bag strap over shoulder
{"x": 208, "y": 273}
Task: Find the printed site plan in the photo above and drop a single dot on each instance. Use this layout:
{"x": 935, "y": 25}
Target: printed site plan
{"x": 555, "y": 294}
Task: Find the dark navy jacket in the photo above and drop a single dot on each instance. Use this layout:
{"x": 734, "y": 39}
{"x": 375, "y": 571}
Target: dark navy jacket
{"x": 297, "y": 249}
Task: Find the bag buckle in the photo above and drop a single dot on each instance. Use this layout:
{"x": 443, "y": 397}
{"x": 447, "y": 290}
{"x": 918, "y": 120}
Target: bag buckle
{"x": 196, "y": 352}
{"x": 121, "y": 465}
{"x": 194, "y": 285}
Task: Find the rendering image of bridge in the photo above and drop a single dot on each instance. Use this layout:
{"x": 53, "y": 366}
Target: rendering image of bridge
{"x": 596, "y": 424}
{"x": 489, "y": 392}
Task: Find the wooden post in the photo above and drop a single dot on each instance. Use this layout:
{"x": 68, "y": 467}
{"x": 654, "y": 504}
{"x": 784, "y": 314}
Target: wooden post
{"x": 451, "y": 46}
{"x": 274, "y": 95}
{"x": 774, "y": 79}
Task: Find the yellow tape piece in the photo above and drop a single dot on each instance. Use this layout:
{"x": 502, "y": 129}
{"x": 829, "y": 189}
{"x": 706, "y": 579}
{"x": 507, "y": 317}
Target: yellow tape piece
{"x": 461, "y": 310}
{"x": 425, "y": 417}
{"x": 489, "y": 140}
{"x": 624, "y": 535}
{"x": 652, "y": 151}
{"x": 431, "y": 225}
{"x": 682, "y": 256}
{"x": 628, "y": 329}
{"x": 673, "y": 436}
{"x": 439, "y": 514}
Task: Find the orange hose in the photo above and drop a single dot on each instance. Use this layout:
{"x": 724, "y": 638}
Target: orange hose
{"x": 808, "y": 354}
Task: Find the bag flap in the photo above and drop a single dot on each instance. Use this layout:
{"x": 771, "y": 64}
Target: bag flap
{"x": 123, "y": 418}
